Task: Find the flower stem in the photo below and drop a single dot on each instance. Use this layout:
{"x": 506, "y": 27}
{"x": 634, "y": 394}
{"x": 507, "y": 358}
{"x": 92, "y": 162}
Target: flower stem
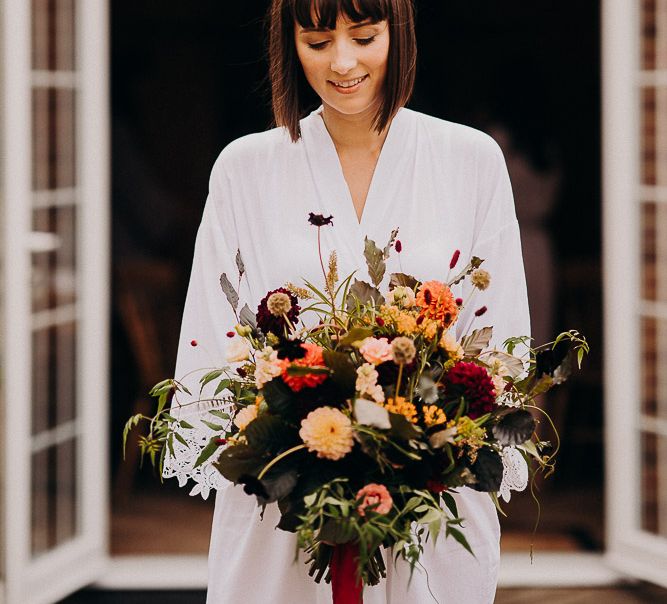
{"x": 275, "y": 460}
{"x": 398, "y": 380}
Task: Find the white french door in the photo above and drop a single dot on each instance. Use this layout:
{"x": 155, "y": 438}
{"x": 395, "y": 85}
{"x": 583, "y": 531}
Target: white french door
{"x": 55, "y": 289}
{"x": 635, "y": 252}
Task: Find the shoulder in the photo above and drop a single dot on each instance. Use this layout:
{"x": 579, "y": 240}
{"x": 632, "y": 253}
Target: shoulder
{"x": 245, "y": 155}
{"x": 459, "y": 139}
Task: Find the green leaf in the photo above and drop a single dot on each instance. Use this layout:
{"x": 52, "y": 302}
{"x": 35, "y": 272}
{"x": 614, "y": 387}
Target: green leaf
{"x": 223, "y": 385}
{"x": 460, "y": 537}
{"x": 214, "y": 427}
{"x": 336, "y": 531}
{"x": 344, "y": 371}
{"x": 450, "y": 502}
{"x": 207, "y": 451}
{"x": 279, "y": 398}
{"x": 183, "y": 424}
{"x": 237, "y": 460}
{"x": 209, "y": 377}
{"x": 180, "y": 439}
{"x": 229, "y": 291}
{"x": 356, "y": 334}
{"x": 267, "y": 433}
{"x": 374, "y": 260}
{"x": 220, "y": 414}
{"x": 129, "y": 425}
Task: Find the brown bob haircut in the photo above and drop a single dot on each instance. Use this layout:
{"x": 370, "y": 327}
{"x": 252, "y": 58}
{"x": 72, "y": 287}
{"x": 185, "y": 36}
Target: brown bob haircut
{"x": 291, "y": 95}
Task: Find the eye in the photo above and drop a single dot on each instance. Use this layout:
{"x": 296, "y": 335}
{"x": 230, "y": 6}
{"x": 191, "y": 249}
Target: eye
{"x": 365, "y": 41}
{"x": 317, "y": 45}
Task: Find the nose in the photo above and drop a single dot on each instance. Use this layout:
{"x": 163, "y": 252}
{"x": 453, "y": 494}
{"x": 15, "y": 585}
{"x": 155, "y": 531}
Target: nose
{"x": 344, "y": 59}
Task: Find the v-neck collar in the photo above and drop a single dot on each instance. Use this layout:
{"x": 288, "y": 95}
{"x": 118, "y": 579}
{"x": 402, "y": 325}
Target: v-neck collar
{"x": 333, "y": 192}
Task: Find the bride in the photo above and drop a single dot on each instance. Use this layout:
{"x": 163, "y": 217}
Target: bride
{"x": 374, "y": 165}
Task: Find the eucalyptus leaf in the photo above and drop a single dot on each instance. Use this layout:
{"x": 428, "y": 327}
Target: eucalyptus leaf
{"x": 229, "y": 291}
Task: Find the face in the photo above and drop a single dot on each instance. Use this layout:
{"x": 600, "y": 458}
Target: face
{"x": 346, "y": 66}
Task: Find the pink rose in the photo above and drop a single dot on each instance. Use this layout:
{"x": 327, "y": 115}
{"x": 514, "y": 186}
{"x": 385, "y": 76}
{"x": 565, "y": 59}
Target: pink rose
{"x": 376, "y": 350}
{"x": 374, "y": 495}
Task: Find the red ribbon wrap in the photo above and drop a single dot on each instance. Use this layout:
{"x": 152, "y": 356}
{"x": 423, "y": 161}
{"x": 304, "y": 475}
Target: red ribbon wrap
{"x": 346, "y": 587}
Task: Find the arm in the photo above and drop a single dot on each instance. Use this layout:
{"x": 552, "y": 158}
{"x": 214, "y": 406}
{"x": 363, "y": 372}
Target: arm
{"x": 207, "y": 317}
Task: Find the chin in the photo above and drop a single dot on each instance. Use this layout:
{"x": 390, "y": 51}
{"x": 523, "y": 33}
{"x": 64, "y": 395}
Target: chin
{"x": 354, "y": 107}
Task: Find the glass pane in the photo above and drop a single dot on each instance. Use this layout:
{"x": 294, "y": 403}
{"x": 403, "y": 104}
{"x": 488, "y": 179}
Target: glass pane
{"x": 53, "y": 496}
{"x": 53, "y": 35}
{"x": 654, "y": 483}
{"x": 42, "y": 522}
{"x": 53, "y": 138}
{"x": 53, "y": 376}
{"x": 54, "y": 268}
{"x": 654, "y": 366}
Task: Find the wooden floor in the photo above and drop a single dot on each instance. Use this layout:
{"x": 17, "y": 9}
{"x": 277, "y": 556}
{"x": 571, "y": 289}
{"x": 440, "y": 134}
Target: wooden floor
{"x": 642, "y": 594}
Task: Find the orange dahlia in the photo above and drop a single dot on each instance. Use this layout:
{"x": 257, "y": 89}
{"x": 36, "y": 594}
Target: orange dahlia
{"x": 312, "y": 358}
{"x": 436, "y": 301}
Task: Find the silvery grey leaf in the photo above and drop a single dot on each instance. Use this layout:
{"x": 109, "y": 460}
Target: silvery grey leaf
{"x": 371, "y": 414}
{"x": 477, "y": 341}
{"x": 239, "y": 263}
{"x": 230, "y": 291}
{"x": 247, "y": 317}
{"x": 375, "y": 261}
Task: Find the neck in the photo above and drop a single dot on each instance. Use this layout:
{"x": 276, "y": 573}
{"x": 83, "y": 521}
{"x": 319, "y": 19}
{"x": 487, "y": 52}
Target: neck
{"x": 353, "y": 132}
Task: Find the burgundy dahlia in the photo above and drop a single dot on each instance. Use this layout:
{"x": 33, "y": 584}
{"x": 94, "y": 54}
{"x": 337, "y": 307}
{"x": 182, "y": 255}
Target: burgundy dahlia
{"x": 268, "y": 322}
{"x": 474, "y": 384}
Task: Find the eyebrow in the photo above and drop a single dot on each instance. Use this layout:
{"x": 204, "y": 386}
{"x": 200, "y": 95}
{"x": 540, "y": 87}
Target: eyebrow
{"x": 305, "y": 30}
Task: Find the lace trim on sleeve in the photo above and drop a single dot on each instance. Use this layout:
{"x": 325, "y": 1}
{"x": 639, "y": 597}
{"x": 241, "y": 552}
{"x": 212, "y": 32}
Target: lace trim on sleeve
{"x": 181, "y": 465}
{"x": 515, "y": 472}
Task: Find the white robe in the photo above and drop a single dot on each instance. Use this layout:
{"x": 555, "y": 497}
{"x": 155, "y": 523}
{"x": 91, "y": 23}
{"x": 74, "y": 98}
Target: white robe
{"x": 446, "y": 187}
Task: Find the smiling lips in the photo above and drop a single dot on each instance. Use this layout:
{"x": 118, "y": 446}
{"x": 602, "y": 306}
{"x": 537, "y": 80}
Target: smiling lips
{"x": 347, "y": 86}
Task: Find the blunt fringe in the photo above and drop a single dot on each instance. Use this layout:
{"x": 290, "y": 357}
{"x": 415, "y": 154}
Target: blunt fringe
{"x": 291, "y": 95}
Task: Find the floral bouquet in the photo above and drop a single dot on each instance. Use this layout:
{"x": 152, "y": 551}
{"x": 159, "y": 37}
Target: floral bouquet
{"x": 362, "y": 425}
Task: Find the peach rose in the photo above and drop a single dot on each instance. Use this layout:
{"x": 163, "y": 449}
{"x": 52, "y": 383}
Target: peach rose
{"x": 374, "y": 495}
{"x": 376, "y": 350}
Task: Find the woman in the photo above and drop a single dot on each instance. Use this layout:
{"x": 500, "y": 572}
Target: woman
{"x": 374, "y": 165}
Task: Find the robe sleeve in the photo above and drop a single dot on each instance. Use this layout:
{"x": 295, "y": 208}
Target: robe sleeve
{"x": 207, "y": 317}
{"x": 498, "y": 242}
{"x": 496, "y": 239}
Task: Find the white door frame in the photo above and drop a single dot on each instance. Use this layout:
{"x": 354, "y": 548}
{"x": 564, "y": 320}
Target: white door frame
{"x": 53, "y": 575}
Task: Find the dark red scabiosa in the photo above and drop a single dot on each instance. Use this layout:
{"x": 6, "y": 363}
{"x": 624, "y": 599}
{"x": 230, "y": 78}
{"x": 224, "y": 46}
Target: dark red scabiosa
{"x": 268, "y": 322}
{"x": 319, "y": 220}
{"x": 230, "y": 334}
{"x": 398, "y": 246}
{"x": 480, "y": 311}
{"x": 242, "y": 372}
{"x": 474, "y": 384}
{"x": 459, "y": 301}
{"x": 290, "y": 349}
{"x": 435, "y": 486}
{"x": 379, "y": 321}
{"x": 193, "y": 343}
{"x": 455, "y": 259}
